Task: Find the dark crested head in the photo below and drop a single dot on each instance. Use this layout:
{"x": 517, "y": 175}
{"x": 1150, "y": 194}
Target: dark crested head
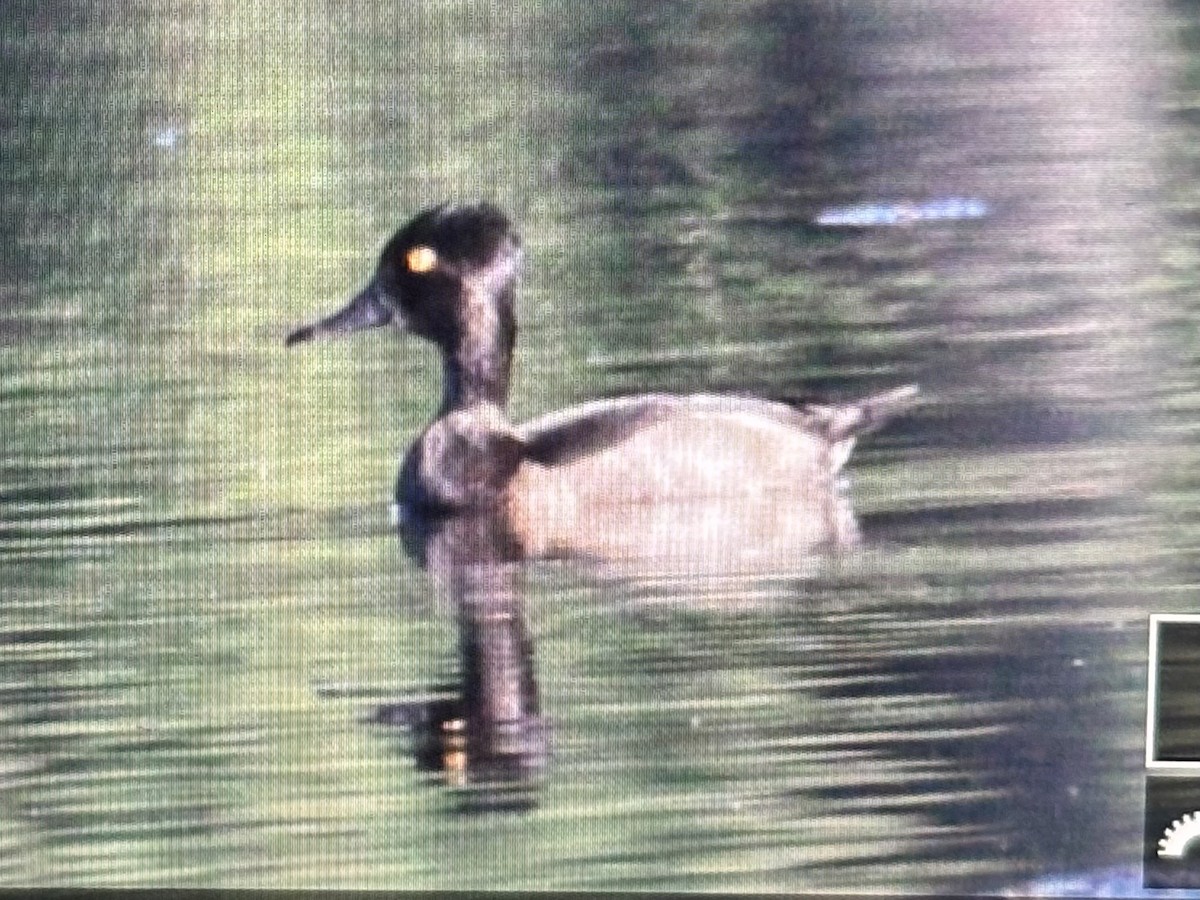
{"x": 445, "y": 275}
{"x": 467, "y": 238}
{"x": 448, "y": 268}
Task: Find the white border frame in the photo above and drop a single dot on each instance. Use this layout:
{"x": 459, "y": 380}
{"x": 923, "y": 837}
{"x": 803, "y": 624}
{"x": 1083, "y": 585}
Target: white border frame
{"x": 1158, "y": 765}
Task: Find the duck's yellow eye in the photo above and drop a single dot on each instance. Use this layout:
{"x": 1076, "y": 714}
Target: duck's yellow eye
{"x": 421, "y": 259}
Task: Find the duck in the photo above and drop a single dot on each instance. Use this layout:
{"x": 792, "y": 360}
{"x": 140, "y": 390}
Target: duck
{"x": 647, "y": 476}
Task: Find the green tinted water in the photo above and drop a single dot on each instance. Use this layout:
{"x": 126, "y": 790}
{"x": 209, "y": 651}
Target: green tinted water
{"x": 202, "y": 599}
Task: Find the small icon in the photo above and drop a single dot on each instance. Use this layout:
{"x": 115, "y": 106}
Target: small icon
{"x": 1175, "y": 840}
{"x": 1171, "y": 852}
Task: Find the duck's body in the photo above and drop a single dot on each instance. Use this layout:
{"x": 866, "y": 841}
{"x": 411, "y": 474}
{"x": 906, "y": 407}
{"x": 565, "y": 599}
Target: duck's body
{"x": 677, "y": 484}
{"x": 651, "y": 475}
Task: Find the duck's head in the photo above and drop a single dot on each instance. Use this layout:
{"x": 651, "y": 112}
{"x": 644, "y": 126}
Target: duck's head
{"x": 449, "y": 276}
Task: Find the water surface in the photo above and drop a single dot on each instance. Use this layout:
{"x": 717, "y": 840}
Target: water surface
{"x": 203, "y": 602}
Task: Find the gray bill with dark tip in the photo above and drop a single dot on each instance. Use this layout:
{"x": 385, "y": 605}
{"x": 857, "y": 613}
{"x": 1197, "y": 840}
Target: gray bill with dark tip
{"x": 366, "y": 310}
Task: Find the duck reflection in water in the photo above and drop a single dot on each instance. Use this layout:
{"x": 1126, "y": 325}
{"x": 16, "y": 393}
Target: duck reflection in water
{"x": 659, "y": 482}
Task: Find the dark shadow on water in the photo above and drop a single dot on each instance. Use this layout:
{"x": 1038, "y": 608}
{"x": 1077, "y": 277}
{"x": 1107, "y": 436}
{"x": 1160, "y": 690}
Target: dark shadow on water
{"x": 485, "y": 737}
{"x": 996, "y": 524}
{"x": 1036, "y": 768}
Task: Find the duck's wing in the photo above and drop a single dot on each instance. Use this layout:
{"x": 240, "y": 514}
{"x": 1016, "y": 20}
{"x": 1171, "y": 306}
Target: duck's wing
{"x": 567, "y": 434}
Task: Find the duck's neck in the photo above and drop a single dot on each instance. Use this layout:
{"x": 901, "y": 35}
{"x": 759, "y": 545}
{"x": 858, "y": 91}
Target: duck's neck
{"x": 476, "y": 370}
{"x": 468, "y": 379}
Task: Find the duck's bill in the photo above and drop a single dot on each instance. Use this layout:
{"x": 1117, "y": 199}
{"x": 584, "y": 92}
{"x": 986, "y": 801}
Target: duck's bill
{"x": 366, "y": 310}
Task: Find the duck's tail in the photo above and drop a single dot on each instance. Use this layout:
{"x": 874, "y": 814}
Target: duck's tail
{"x": 848, "y": 420}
